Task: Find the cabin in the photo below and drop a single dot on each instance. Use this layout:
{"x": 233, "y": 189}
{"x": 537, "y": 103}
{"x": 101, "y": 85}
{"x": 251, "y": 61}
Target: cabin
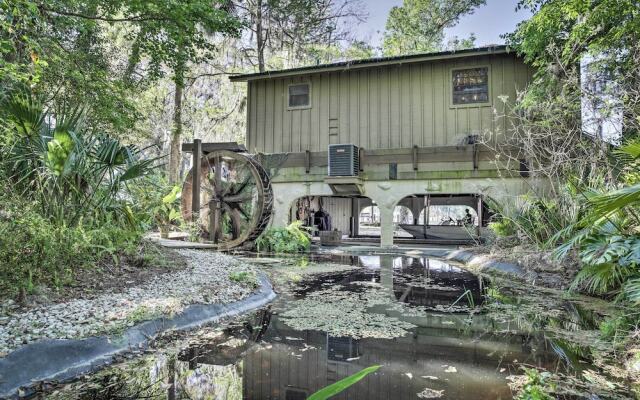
{"x": 416, "y": 133}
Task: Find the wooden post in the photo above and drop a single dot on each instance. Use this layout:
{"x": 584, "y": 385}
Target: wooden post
{"x": 195, "y": 185}
{"x": 415, "y": 157}
{"x": 307, "y": 161}
{"x": 479, "y": 211}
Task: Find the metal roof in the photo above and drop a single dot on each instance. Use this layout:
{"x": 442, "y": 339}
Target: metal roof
{"x": 372, "y": 62}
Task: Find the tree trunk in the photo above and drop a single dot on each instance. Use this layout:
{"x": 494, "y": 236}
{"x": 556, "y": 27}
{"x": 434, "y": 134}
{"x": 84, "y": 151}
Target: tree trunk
{"x": 176, "y": 133}
{"x": 259, "y": 38}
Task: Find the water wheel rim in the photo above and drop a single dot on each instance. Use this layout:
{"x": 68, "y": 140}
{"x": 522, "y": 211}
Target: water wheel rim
{"x": 261, "y": 199}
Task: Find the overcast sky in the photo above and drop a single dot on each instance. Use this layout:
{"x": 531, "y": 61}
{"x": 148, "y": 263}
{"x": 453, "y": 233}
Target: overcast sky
{"x": 487, "y": 22}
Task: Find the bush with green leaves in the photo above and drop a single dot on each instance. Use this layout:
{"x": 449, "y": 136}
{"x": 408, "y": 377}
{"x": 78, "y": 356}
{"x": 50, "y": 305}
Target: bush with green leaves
{"x": 503, "y": 227}
{"x": 607, "y": 234}
{"x": 292, "y": 239}
{"x": 65, "y": 197}
{"x": 71, "y": 173}
{"x": 35, "y": 251}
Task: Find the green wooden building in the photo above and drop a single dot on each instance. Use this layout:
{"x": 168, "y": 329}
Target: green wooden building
{"x": 416, "y": 120}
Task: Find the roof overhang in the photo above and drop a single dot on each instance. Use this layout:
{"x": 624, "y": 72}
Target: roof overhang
{"x": 372, "y": 62}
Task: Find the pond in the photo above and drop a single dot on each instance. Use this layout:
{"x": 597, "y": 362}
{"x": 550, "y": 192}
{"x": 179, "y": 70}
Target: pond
{"x": 424, "y": 321}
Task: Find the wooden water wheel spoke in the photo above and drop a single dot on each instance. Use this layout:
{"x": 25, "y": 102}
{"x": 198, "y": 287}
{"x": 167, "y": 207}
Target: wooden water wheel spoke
{"x": 237, "y": 207}
{"x": 236, "y": 196}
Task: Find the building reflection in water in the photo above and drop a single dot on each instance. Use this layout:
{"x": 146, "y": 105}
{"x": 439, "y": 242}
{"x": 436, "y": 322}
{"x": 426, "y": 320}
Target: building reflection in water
{"x": 450, "y": 351}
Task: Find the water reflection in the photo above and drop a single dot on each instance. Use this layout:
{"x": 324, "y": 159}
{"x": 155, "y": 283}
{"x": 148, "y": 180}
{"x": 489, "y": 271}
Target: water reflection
{"x": 450, "y": 351}
{"x": 451, "y": 345}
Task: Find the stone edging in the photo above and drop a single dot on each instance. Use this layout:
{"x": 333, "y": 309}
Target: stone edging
{"x": 62, "y": 359}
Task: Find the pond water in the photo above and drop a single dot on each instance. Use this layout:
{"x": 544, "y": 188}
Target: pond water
{"x": 422, "y": 320}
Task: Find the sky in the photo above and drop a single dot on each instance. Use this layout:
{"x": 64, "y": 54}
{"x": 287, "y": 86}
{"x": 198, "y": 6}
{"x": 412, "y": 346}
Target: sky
{"x": 487, "y": 22}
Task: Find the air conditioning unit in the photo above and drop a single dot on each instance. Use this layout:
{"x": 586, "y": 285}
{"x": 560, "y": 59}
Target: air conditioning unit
{"x": 343, "y": 160}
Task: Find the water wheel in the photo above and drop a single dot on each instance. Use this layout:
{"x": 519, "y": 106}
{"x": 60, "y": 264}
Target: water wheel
{"x": 235, "y": 197}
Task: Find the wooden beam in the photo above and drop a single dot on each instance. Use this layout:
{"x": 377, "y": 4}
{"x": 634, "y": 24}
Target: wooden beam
{"x": 195, "y": 184}
{"x": 209, "y": 147}
{"x": 400, "y": 156}
{"x": 479, "y": 216}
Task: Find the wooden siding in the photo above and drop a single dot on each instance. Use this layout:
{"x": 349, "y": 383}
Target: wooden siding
{"x": 380, "y": 107}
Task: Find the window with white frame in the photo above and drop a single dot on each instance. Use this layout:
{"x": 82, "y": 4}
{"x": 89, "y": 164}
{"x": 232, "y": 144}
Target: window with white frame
{"x": 299, "y": 95}
{"x": 470, "y": 85}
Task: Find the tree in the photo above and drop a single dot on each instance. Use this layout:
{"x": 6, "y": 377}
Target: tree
{"x": 174, "y": 34}
{"x": 561, "y": 35}
{"x": 294, "y": 25}
{"x": 418, "y": 25}
{"x": 561, "y": 32}
{"x": 65, "y": 45}
{"x": 66, "y": 59}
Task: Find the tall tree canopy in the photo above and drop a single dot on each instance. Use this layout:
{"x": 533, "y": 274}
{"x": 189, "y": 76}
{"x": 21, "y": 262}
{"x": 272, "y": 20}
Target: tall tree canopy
{"x": 418, "y": 25}
{"x": 562, "y": 31}
{"x": 96, "y": 52}
{"x": 295, "y": 25}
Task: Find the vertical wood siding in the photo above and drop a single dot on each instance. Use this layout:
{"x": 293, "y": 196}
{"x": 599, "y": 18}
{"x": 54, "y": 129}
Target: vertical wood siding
{"x": 380, "y": 107}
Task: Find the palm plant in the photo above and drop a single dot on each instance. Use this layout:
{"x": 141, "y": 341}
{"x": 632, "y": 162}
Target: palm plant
{"x": 607, "y": 236}
{"x": 71, "y": 173}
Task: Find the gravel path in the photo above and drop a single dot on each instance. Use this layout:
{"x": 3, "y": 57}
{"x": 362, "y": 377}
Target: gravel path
{"x": 206, "y": 280}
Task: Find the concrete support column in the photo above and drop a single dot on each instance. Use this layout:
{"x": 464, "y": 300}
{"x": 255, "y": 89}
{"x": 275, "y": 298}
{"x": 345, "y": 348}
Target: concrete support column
{"x": 386, "y": 225}
{"x": 280, "y": 216}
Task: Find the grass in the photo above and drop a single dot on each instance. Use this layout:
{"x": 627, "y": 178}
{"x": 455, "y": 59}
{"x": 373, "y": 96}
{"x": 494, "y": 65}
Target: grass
{"x": 244, "y": 277}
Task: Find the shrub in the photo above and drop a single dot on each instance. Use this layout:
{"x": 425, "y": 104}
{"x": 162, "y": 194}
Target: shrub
{"x": 292, "y": 239}
{"x": 503, "y": 227}
{"x": 34, "y": 251}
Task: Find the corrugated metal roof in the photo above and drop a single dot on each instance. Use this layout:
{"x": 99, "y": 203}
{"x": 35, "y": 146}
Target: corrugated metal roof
{"x": 372, "y": 62}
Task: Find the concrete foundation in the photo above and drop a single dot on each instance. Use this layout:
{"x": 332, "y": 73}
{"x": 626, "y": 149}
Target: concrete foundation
{"x": 389, "y": 193}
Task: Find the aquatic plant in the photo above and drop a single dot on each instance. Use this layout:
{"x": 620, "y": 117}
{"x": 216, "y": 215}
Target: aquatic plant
{"x": 342, "y": 384}
{"x": 535, "y": 387}
{"x": 292, "y": 239}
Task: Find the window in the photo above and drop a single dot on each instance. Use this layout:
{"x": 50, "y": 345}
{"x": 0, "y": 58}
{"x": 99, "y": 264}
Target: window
{"x": 471, "y": 86}
{"x": 299, "y": 95}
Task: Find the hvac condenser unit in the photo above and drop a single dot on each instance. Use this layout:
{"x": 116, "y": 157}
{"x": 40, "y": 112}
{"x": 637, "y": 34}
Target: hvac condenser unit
{"x": 343, "y": 160}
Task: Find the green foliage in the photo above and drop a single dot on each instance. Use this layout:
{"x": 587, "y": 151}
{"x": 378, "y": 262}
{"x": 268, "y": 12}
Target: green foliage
{"x": 537, "y": 219}
{"x": 503, "y": 227}
{"x": 66, "y": 201}
{"x": 167, "y": 210}
{"x": 616, "y": 327}
{"x": 342, "y": 384}
{"x": 71, "y": 173}
{"x": 292, "y": 239}
{"x": 244, "y": 277}
{"x": 606, "y": 235}
{"x": 575, "y": 27}
{"x": 87, "y": 52}
{"x": 418, "y": 25}
{"x": 536, "y": 386}
{"x": 35, "y": 251}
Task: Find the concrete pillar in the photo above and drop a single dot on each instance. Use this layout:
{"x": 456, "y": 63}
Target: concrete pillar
{"x": 281, "y": 214}
{"x": 386, "y": 225}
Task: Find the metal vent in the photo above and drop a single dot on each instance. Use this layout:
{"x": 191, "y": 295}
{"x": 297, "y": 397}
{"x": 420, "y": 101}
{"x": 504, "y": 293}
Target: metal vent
{"x": 343, "y": 160}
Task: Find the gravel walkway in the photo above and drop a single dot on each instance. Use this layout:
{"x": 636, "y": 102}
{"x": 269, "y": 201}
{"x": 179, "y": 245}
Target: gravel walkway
{"x": 205, "y": 281}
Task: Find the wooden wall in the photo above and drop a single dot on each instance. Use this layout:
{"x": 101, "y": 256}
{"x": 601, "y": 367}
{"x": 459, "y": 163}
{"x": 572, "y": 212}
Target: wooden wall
{"x": 396, "y": 106}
